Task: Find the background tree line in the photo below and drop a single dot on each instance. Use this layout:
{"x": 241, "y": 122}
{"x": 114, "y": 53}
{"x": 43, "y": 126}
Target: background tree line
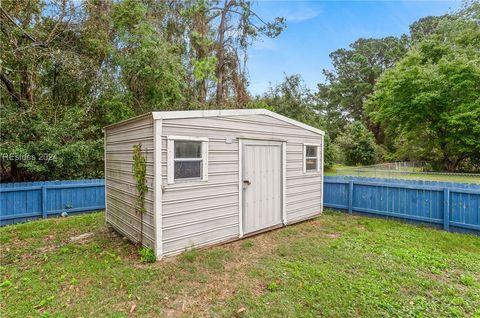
{"x": 414, "y": 97}
{"x": 70, "y": 68}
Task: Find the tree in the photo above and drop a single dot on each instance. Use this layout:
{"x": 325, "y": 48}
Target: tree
{"x": 425, "y": 27}
{"x": 355, "y": 72}
{"x": 431, "y": 98}
{"x": 47, "y": 73}
{"x": 68, "y": 68}
{"x": 200, "y": 36}
{"x": 357, "y": 145}
{"x": 150, "y": 65}
{"x": 293, "y": 99}
{"x": 237, "y": 27}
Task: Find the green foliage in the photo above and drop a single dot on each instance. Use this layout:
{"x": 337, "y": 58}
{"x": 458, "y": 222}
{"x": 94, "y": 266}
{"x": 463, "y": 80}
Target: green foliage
{"x": 246, "y": 244}
{"x": 431, "y": 99}
{"x": 67, "y": 70}
{"x": 204, "y": 68}
{"x": 273, "y": 286}
{"x": 139, "y": 169}
{"x": 355, "y": 71}
{"x": 293, "y": 99}
{"x": 151, "y": 66}
{"x": 147, "y": 255}
{"x": 425, "y": 27}
{"x": 357, "y": 145}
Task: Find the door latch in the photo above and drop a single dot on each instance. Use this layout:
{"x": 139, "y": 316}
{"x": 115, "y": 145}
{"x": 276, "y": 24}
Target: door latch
{"x": 247, "y": 182}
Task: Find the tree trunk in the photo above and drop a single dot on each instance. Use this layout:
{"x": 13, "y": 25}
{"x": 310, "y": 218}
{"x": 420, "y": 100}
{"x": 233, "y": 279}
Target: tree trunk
{"x": 378, "y": 132}
{"x": 11, "y": 89}
{"x": 220, "y": 72}
{"x": 452, "y": 165}
{"x": 202, "y": 91}
{"x": 241, "y": 95}
{"x": 26, "y": 87}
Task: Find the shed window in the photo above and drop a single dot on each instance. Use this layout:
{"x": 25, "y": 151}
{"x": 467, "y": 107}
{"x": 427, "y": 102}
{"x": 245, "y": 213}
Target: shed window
{"x": 311, "y": 158}
{"x": 187, "y": 158}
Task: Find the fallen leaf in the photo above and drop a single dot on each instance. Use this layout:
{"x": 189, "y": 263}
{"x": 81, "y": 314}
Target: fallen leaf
{"x": 241, "y": 310}
{"x": 133, "y": 308}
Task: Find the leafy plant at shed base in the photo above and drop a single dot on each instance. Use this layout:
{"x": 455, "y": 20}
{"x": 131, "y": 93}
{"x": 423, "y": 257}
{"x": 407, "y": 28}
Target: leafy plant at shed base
{"x": 147, "y": 255}
{"x": 139, "y": 169}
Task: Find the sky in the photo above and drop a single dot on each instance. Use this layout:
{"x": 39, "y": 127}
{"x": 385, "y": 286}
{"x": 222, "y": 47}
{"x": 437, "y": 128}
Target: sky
{"x": 317, "y": 28}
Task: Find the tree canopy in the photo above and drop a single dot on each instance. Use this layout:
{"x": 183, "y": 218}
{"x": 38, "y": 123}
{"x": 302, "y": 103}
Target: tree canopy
{"x": 431, "y": 98}
{"x": 68, "y": 68}
{"x": 355, "y": 72}
{"x": 418, "y": 93}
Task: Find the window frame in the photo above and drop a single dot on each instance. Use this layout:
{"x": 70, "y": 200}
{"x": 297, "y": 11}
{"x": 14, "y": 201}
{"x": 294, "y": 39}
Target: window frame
{"x": 317, "y": 157}
{"x": 171, "y": 159}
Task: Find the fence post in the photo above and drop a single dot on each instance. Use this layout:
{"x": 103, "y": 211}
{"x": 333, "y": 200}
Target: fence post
{"x": 350, "y": 196}
{"x": 44, "y": 202}
{"x": 446, "y": 208}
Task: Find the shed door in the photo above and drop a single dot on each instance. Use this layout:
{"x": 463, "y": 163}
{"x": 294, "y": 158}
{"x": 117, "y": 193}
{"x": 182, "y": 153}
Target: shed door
{"x": 262, "y": 185}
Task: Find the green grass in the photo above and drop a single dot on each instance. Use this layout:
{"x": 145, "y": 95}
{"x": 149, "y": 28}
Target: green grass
{"x": 333, "y": 266}
{"x": 333, "y": 170}
{"x": 409, "y": 176}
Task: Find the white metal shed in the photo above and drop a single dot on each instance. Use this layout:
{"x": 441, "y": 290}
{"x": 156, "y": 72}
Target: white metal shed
{"x": 213, "y": 176}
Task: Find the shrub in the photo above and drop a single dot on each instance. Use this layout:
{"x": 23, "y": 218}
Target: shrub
{"x": 357, "y": 145}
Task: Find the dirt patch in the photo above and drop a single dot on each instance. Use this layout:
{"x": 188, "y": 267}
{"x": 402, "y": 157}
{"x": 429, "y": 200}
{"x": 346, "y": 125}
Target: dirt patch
{"x": 333, "y": 235}
{"x": 218, "y": 286}
{"x": 82, "y": 238}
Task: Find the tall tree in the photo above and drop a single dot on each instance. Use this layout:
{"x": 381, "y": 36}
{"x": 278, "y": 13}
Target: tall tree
{"x": 150, "y": 65}
{"x": 357, "y": 145}
{"x": 425, "y": 27}
{"x": 238, "y": 26}
{"x": 355, "y": 72}
{"x": 202, "y": 45}
{"x": 431, "y": 98}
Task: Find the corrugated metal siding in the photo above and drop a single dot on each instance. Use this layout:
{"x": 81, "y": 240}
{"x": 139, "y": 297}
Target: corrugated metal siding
{"x": 204, "y": 213}
{"x": 119, "y": 183}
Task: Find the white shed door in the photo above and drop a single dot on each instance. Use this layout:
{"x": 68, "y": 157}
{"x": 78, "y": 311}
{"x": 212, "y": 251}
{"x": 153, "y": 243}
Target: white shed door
{"x": 262, "y": 185}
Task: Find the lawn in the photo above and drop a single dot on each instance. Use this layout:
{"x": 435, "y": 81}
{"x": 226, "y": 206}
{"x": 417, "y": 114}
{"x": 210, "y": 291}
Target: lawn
{"x": 333, "y": 266}
{"x": 371, "y": 173}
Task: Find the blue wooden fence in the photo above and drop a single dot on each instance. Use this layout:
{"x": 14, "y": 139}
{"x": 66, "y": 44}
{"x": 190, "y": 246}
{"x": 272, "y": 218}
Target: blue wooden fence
{"x": 444, "y": 204}
{"x": 20, "y": 202}
{"x": 423, "y": 201}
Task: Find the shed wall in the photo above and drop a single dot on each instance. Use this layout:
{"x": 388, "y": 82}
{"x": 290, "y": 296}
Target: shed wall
{"x": 120, "y": 185}
{"x": 203, "y": 213}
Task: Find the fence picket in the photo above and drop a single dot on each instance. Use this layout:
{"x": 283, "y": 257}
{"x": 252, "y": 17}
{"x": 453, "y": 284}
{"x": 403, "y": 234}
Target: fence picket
{"x": 446, "y": 208}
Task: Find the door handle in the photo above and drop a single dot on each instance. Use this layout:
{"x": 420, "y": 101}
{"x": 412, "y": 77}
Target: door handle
{"x": 247, "y": 182}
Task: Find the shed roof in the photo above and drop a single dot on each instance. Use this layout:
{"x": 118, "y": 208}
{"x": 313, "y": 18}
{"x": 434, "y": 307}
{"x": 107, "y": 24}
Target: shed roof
{"x": 224, "y": 112}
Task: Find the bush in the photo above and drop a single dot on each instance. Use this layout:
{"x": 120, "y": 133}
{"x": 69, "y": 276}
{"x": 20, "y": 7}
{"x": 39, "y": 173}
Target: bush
{"x": 357, "y": 145}
{"x": 147, "y": 255}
